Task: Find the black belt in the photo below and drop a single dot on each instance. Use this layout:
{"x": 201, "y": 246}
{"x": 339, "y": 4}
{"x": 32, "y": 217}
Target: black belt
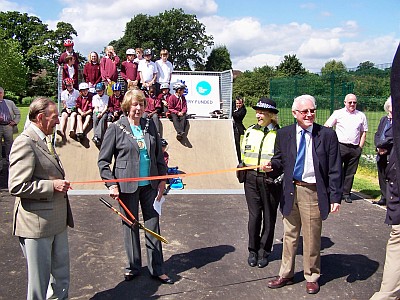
{"x": 303, "y": 183}
{"x": 349, "y": 145}
{"x": 257, "y": 173}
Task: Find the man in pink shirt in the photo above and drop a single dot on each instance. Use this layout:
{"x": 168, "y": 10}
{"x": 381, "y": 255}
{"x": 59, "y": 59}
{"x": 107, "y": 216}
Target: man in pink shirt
{"x": 351, "y": 129}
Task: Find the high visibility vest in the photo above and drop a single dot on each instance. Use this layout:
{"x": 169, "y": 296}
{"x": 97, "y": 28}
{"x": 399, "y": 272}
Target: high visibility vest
{"x": 257, "y": 146}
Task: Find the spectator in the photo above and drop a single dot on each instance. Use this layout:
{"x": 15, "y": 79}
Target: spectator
{"x": 42, "y": 211}
{"x": 9, "y": 118}
{"x": 164, "y": 70}
{"x": 70, "y": 71}
{"x": 177, "y": 108}
{"x": 69, "y": 50}
{"x": 85, "y": 110}
{"x": 108, "y": 66}
{"x": 68, "y": 99}
{"x": 351, "y": 129}
{"x": 129, "y": 69}
{"x": 91, "y": 71}
{"x": 262, "y": 191}
{"x": 140, "y": 154}
{"x": 238, "y": 128}
{"x": 163, "y": 97}
{"x": 100, "y": 106}
{"x": 153, "y": 109}
{"x": 147, "y": 70}
{"x": 114, "y": 104}
{"x": 384, "y": 142}
{"x": 312, "y": 188}
{"x": 139, "y": 55}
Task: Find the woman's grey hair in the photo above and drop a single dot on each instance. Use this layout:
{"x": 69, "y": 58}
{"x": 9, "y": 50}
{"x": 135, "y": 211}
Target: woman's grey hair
{"x": 298, "y": 99}
{"x": 388, "y": 104}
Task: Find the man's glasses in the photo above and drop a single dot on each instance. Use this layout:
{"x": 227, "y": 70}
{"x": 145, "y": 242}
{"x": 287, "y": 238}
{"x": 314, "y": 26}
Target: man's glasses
{"x": 352, "y": 102}
{"x": 305, "y": 112}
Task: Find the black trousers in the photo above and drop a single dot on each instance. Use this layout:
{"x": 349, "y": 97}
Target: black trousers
{"x": 179, "y": 122}
{"x": 381, "y": 164}
{"x": 237, "y": 144}
{"x": 262, "y": 202}
{"x": 350, "y": 157}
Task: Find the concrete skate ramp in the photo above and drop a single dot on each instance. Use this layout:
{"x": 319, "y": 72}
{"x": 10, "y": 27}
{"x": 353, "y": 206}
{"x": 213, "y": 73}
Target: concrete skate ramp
{"x": 208, "y": 146}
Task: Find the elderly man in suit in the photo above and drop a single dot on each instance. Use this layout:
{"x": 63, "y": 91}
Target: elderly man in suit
{"x": 41, "y": 211}
{"x": 308, "y": 154}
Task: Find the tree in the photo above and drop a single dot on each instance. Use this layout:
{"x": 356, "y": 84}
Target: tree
{"x": 333, "y": 66}
{"x": 291, "y": 66}
{"x": 13, "y": 72}
{"x": 219, "y": 60}
{"x": 366, "y": 65}
{"x": 181, "y": 34}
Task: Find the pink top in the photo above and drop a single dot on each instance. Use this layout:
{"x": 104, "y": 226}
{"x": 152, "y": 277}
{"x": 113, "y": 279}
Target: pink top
{"x": 349, "y": 126}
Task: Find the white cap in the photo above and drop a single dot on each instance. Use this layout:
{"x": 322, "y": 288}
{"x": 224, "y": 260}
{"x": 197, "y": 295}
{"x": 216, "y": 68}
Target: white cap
{"x": 83, "y": 86}
{"x": 130, "y": 51}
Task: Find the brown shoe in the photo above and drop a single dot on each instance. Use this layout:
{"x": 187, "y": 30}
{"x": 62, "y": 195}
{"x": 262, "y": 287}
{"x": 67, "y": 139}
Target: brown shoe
{"x": 312, "y": 287}
{"x": 279, "y": 282}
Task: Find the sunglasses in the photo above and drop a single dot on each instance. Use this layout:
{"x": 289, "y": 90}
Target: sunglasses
{"x": 305, "y": 112}
{"x": 352, "y": 102}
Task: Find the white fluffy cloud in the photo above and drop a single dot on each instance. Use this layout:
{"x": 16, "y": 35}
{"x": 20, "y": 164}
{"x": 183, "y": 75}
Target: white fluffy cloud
{"x": 250, "y": 42}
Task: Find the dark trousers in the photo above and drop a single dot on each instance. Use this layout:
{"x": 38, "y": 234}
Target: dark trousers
{"x": 144, "y": 195}
{"x": 262, "y": 202}
{"x": 237, "y": 144}
{"x": 179, "y": 122}
{"x": 382, "y": 163}
{"x": 350, "y": 157}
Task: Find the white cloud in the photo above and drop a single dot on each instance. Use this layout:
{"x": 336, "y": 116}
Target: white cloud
{"x": 320, "y": 48}
{"x": 12, "y": 6}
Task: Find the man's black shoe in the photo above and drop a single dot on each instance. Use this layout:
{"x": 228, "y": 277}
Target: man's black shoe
{"x": 380, "y": 202}
{"x": 252, "y": 260}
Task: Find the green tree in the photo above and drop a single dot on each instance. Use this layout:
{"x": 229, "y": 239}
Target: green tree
{"x": 219, "y": 60}
{"x": 291, "y": 66}
{"x": 181, "y": 34}
{"x": 13, "y": 72}
{"x": 333, "y": 66}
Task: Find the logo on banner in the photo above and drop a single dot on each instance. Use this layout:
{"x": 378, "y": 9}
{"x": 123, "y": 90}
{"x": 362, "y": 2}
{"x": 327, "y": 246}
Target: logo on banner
{"x": 203, "y": 88}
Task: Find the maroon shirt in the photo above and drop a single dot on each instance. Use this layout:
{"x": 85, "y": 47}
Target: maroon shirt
{"x": 84, "y": 103}
{"x": 65, "y": 74}
{"x": 152, "y": 105}
{"x": 108, "y": 68}
{"x": 61, "y": 59}
{"x": 91, "y": 73}
{"x": 176, "y": 104}
{"x": 114, "y": 103}
{"x": 129, "y": 70}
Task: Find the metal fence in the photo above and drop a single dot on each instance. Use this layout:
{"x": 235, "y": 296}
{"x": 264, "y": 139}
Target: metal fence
{"x": 330, "y": 91}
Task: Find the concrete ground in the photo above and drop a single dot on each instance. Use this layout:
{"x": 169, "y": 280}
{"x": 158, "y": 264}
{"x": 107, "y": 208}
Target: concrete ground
{"x": 206, "y": 254}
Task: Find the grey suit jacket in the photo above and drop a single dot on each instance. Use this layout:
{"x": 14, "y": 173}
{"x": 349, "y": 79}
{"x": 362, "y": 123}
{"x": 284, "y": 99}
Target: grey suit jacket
{"x": 14, "y": 111}
{"x": 39, "y": 211}
{"x": 119, "y": 143}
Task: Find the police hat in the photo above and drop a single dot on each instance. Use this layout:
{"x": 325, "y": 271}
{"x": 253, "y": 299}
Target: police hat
{"x": 266, "y": 104}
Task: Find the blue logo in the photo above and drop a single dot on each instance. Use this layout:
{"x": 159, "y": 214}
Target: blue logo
{"x": 203, "y": 88}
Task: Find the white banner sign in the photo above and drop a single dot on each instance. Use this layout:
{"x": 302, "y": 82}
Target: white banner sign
{"x": 202, "y": 93}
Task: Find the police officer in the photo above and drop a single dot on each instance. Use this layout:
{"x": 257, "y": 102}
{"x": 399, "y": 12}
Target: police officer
{"x": 262, "y": 189}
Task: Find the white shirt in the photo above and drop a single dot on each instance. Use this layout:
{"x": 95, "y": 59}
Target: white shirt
{"x": 349, "y": 126}
{"x": 308, "y": 172}
{"x": 71, "y": 71}
{"x": 147, "y": 69}
{"x": 164, "y": 71}
{"x": 69, "y": 98}
{"x": 100, "y": 103}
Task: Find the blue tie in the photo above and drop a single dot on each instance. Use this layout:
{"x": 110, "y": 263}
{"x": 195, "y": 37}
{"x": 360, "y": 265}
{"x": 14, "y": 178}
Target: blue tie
{"x": 301, "y": 155}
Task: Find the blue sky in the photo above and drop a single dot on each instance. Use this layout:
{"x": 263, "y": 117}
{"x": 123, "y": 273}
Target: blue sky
{"x": 255, "y": 32}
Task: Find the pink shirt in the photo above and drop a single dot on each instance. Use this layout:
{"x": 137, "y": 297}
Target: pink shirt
{"x": 349, "y": 126}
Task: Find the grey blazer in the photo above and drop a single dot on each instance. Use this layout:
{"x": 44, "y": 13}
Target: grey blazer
{"x": 39, "y": 211}
{"x": 120, "y": 144}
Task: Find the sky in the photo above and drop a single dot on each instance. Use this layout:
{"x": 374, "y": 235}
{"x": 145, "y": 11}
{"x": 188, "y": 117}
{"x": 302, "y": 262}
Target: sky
{"x": 256, "y": 33}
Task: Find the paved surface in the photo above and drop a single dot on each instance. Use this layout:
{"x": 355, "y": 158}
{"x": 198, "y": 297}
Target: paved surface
{"x": 208, "y": 146}
{"x": 207, "y": 253}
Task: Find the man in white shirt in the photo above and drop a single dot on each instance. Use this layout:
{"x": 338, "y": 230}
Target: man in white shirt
{"x": 164, "y": 70}
{"x": 351, "y": 129}
{"x": 147, "y": 70}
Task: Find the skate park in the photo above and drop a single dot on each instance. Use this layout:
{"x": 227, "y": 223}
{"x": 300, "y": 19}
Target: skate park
{"x": 206, "y": 226}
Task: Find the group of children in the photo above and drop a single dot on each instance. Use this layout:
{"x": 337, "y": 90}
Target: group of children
{"x": 98, "y": 98}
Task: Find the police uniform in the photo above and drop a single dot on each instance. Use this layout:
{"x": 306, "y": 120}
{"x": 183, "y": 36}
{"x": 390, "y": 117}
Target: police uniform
{"x": 263, "y": 190}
